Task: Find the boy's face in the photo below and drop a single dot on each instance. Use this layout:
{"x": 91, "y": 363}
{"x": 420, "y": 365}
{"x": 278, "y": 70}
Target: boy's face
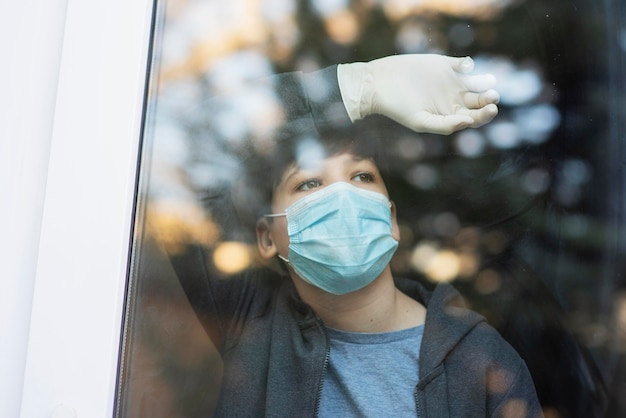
{"x": 299, "y": 180}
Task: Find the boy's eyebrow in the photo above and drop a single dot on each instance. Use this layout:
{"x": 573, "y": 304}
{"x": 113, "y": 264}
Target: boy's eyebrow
{"x": 295, "y": 168}
{"x": 290, "y": 172}
{"x": 358, "y": 158}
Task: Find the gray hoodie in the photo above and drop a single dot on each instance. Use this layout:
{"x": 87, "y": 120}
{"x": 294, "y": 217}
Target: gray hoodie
{"x": 275, "y": 349}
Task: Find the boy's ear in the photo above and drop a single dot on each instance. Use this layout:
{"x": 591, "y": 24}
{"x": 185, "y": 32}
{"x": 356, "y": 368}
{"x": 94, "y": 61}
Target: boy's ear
{"x": 395, "y": 229}
{"x": 264, "y": 240}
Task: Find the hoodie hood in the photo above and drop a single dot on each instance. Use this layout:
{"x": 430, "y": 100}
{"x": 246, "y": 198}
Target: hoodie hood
{"x": 448, "y": 321}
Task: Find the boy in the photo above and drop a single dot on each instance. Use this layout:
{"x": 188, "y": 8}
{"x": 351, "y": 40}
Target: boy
{"x": 341, "y": 336}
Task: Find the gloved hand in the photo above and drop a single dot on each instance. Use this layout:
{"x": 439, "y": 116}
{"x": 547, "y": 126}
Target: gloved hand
{"x": 424, "y": 92}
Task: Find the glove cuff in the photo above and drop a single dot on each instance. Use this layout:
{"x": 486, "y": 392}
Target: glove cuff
{"x": 356, "y": 84}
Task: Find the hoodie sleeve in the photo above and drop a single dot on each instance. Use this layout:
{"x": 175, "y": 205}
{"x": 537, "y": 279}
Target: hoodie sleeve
{"x": 520, "y": 400}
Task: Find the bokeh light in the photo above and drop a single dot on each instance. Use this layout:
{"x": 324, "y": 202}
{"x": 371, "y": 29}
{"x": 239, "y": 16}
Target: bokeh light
{"x": 232, "y": 257}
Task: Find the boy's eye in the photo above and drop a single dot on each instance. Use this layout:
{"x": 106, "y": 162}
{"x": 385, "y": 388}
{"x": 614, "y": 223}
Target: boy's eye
{"x": 309, "y": 184}
{"x": 364, "y": 177}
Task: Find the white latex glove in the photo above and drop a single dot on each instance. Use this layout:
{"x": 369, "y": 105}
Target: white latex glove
{"x": 424, "y": 92}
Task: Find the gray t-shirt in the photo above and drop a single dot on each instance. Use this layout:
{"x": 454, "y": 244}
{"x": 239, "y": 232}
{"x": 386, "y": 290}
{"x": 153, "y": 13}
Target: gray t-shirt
{"x": 371, "y": 374}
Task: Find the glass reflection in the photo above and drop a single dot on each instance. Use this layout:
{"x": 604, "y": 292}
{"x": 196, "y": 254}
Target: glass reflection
{"x": 523, "y": 215}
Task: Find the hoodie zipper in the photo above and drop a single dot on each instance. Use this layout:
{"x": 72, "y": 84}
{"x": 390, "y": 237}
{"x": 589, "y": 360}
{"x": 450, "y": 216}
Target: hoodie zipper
{"x": 418, "y": 404}
{"x": 326, "y": 359}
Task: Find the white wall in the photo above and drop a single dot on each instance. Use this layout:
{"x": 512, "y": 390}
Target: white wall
{"x": 31, "y": 35}
{"x": 72, "y": 74}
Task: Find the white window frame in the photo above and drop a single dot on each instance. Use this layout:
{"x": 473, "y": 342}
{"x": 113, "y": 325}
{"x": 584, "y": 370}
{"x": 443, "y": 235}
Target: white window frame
{"x": 70, "y": 205}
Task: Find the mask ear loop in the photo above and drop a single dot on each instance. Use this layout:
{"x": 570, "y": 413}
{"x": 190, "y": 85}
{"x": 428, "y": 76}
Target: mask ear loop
{"x": 274, "y": 215}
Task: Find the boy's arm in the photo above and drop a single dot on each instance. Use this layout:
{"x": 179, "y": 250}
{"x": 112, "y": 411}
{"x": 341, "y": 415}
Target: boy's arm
{"x": 223, "y": 304}
{"x": 424, "y": 92}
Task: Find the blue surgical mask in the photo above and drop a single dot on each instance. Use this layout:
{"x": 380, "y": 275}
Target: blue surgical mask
{"x": 340, "y": 237}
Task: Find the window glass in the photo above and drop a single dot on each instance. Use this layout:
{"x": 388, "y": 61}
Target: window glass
{"x": 524, "y": 215}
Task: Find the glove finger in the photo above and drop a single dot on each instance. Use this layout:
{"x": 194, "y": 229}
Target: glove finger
{"x": 481, "y": 116}
{"x": 444, "y": 125}
{"x": 462, "y": 65}
{"x": 473, "y": 100}
{"x": 479, "y": 82}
